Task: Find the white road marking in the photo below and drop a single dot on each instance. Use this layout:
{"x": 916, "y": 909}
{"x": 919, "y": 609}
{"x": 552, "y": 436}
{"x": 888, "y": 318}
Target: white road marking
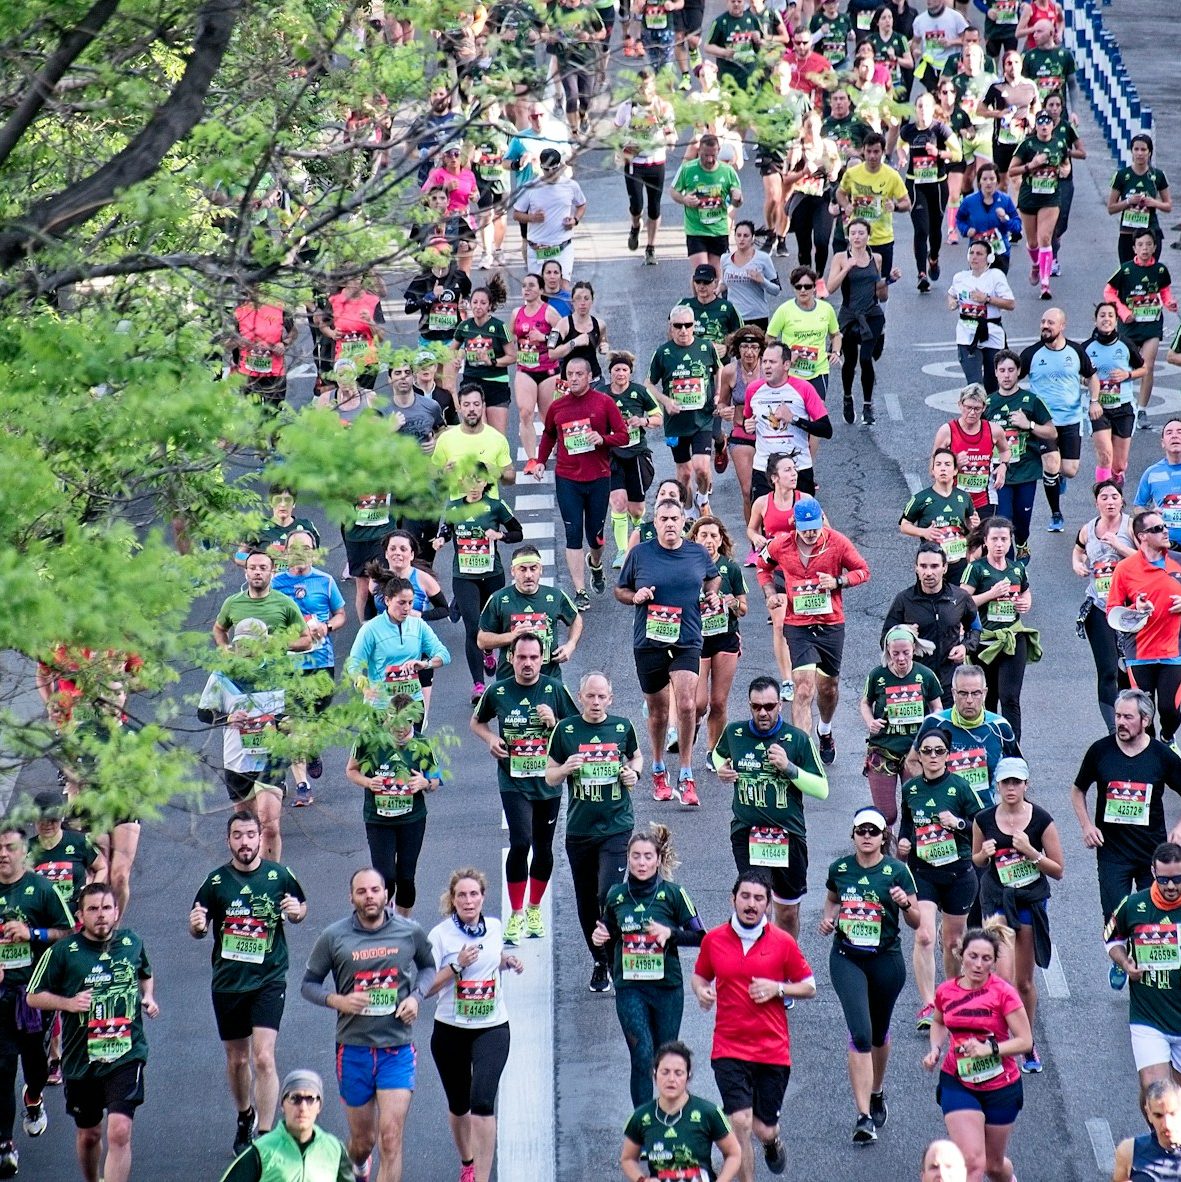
{"x": 912, "y": 482}
{"x": 527, "y": 502}
{"x": 893, "y": 406}
{"x": 1102, "y": 1145}
{"x": 538, "y": 529}
{"x": 1055, "y": 978}
{"x": 547, "y": 557}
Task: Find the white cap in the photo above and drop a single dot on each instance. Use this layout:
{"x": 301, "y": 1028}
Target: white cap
{"x": 869, "y": 816}
{"x": 1012, "y": 768}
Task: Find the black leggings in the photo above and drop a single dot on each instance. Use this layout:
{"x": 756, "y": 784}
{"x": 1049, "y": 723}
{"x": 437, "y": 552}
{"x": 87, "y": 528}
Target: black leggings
{"x": 596, "y": 865}
{"x": 854, "y": 348}
{"x": 583, "y": 505}
{"x": 531, "y": 824}
{"x": 1162, "y": 683}
{"x": 868, "y": 987}
{"x": 470, "y": 597}
{"x": 470, "y": 1064}
{"x": 394, "y": 850}
{"x": 1004, "y": 677}
{"x": 578, "y": 82}
{"x": 18, "y": 1048}
{"x": 811, "y": 223}
{"x": 926, "y": 216}
{"x": 641, "y": 180}
{"x": 1065, "y": 202}
{"x": 1105, "y": 650}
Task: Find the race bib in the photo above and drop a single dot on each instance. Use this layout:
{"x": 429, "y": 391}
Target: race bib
{"x": 971, "y": 765}
{"x": 634, "y": 436}
{"x": 575, "y": 435}
{"x": 924, "y": 169}
{"x": 478, "y": 351}
{"x": 808, "y": 599}
{"x": 714, "y": 623}
{"x": 663, "y": 623}
{"x": 969, "y": 309}
{"x": 805, "y": 361}
{"x": 977, "y": 1069}
{"x": 973, "y": 476}
{"x": 107, "y": 1039}
{"x": 528, "y": 357}
{"x": 1014, "y": 869}
{"x": 401, "y": 680}
{"x": 372, "y": 510}
{"x": 244, "y": 938}
{"x": 865, "y": 19}
{"x": 656, "y": 17}
{"x": 767, "y": 845}
{"x": 867, "y": 205}
{"x": 642, "y": 956}
{"x": 1110, "y": 392}
{"x": 382, "y": 987}
{"x": 527, "y": 757}
{"x": 934, "y": 845}
{"x": 688, "y": 393}
{"x": 475, "y": 1001}
{"x": 546, "y": 252}
{"x": 255, "y": 740}
{"x": 711, "y": 209}
{"x": 1170, "y": 510}
{"x": 15, "y": 954}
{"x": 394, "y": 798}
{"x": 953, "y": 544}
{"x": 860, "y": 923}
{"x": 442, "y": 319}
{"x": 1016, "y": 438}
{"x": 1156, "y": 946}
{"x": 904, "y": 704}
{"x": 61, "y": 875}
{"x": 1135, "y": 219}
{"x": 1002, "y": 611}
{"x": 354, "y": 348}
{"x": 1127, "y": 803}
{"x": 1044, "y": 181}
{"x": 602, "y": 764}
{"x": 258, "y": 360}
{"x": 1101, "y": 572}
{"x": 1146, "y": 309}
{"x": 1004, "y": 12}
{"x": 474, "y": 554}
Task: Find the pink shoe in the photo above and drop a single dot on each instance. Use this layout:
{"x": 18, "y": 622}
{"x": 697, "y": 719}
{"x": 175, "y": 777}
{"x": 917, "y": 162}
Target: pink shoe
{"x": 661, "y": 789}
{"x": 467, "y": 1173}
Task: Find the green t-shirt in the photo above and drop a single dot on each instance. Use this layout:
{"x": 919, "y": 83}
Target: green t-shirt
{"x": 1153, "y": 943}
{"x": 681, "y": 1148}
{"x": 634, "y": 403}
{"x": 542, "y": 610}
{"x": 1001, "y": 19}
{"x": 949, "y": 513}
{"x": 982, "y": 576}
{"x": 848, "y": 134}
{"x": 110, "y": 1034}
{"x": 1140, "y": 288}
{"x": 833, "y": 41}
{"x": 764, "y": 797}
{"x": 1025, "y": 465}
{"x": 1049, "y": 70}
{"x": 903, "y": 702}
{"x": 475, "y": 555}
{"x": 514, "y": 706}
{"x": 65, "y": 864}
{"x": 272, "y": 538}
{"x": 478, "y": 340}
{"x": 371, "y": 518}
{"x": 741, "y": 34}
{"x": 1128, "y": 183}
{"x": 936, "y": 852}
{"x": 725, "y": 622}
{"x": 867, "y": 918}
{"x": 710, "y": 219}
{"x": 30, "y": 900}
{"x": 1040, "y": 183}
{"x": 279, "y": 612}
{"x": 246, "y": 922}
{"x": 639, "y": 958}
{"x": 393, "y": 804}
{"x": 598, "y": 804}
{"x": 806, "y": 333}
{"x": 715, "y": 320}
{"x": 686, "y": 374}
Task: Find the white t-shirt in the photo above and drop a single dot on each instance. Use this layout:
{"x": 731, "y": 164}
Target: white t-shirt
{"x": 244, "y": 747}
{"x": 557, "y": 201}
{"x": 474, "y": 1000}
{"x": 992, "y": 283}
{"x": 771, "y": 434}
{"x": 934, "y": 34}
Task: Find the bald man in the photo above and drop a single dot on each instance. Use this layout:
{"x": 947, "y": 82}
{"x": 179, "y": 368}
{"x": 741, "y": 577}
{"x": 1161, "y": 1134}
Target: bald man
{"x": 943, "y": 1162}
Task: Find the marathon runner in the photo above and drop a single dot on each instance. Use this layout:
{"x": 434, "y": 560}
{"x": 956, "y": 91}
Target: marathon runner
{"x": 974, "y": 441}
{"x": 1117, "y": 362}
{"x": 1160, "y": 484}
{"x": 943, "y": 513}
{"x": 1155, "y": 1155}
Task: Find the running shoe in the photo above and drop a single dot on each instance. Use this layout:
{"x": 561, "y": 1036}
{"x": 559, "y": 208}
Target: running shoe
{"x": 868, "y": 418}
{"x": 922, "y": 1020}
{"x": 953, "y": 236}
{"x": 600, "y": 980}
{"x": 1057, "y": 524}
{"x": 775, "y": 1155}
{"x": 686, "y": 83}
{"x": 787, "y": 691}
{"x": 498, "y": 257}
{"x": 781, "y": 247}
{"x": 467, "y": 1173}
{"x": 34, "y": 1121}
{"x": 633, "y": 238}
{"x": 649, "y": 256}
{"x": 617, "y": 561}
{"x": 1142, "y": 423}
{"x": 361, "y": 1171}
{"x": 315, "y": 767}
{"x": 828, "y": 747}
{"x": 582, "y": 600}
{"x": 514, "y": 929}
{"x": 244, "y": 1134}
{"x": 721, "y": 456}
{"x": 477, "y": 691}
{"x": 687, "y": 791}
{"x": 879, "y": 1111}
{"x": 864, "y": 1132}
{"x": 485, "y": 263}
{"x": 848, "y": 413}
{"x": 933, "y": 270}
{"x": 534, "y": 925}
{"x": 1023, "y": 553}
{"x": 1031, "y": 1064}
{"x": 661, "y": 788}
{"x": 752, "y": 559}
{"x": 533, "y": 468}
{"x": 1034, "y": 275}
{"x": 598, "y": 579}
{"x": 924, "y": 282}
{"x": 54, "y": 1079}
{"x": 9, "y": 1160}
{"x": 1056, "y": 269}
{"x": 1117, "y": 978}
{"x": 303, "y": 797}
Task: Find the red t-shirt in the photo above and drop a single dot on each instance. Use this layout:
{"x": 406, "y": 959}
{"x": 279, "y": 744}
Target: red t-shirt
{"x": 745, "y": 1029}
{"x": 977, "y": 1013}
{"x": 568, "y": 420}
{"x": 1160, "y": 638}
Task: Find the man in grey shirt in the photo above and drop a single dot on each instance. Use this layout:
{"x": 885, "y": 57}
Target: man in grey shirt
{"x": 382, "y": 968}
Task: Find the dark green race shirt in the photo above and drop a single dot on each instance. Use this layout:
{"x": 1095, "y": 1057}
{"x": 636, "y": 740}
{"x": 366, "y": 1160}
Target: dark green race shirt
{"x": 687, "y": 375}
{"x": 598, "y": 804}
{"x": 937, "y": 853}
{"x": 678, "y": 1148}
{"x": 982, "y": 576}
{"x": 541, "y": 611}
{"x": 475, "y": 556}
{"x": 393, "y": 803}
{"x": 473, "y": 339}
{"x": 725, "y": 622}
{"x": 33, "y": 901}
{"x": 949, "y": 513}
{"x": 715, "y": 320}
{"x": 514, "y": 706}
{"x": 636, "y": 402}
{"x": 639, "y": 958}
{"x": 1152, "y": 938}
{"x": 903, "y": 702}
{"x": 65, "y": 864}
{"x": 867, "y": 919}
{"x": 1025, "y": 465}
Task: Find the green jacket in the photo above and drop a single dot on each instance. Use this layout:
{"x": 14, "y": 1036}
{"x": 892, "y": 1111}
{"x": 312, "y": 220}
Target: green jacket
{"x": 277, "y": 1157}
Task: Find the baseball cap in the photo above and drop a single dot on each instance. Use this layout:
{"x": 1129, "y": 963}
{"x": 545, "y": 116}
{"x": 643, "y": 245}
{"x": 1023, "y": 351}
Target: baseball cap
{"x": 869, "y": 816}
{"x": 705, "y": 273}
{"x": 1044, "y": 117}
{"x": 550, "y": 157}
{"x": 1012, "y": 768}
{"x": 251, "y": 627}
{"x": 424, "y": 357}
{"x": 807, "y": 513}
{"x": 303, "y": 1079}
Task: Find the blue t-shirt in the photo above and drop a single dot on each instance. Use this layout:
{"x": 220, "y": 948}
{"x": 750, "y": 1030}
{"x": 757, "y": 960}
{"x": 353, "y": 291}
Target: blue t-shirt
{"x": 1116, "y": 354}
{"x": 672, "y": 618}
{"x": 1055, "y": 376}
{"x": 318, "y": 597}
{"x": 1160, "y": 489}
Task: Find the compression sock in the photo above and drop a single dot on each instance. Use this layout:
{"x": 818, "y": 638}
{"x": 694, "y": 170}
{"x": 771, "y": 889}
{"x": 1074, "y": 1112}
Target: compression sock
{"x": 1053, "y": 493}
{"x": 536, "y": 891}
{"x": 1045, "y": 264}
{"x": 1032, "y": 251}
{"x": 516, "y": 895}
{"x": 1102, "y": 474}
{"x": 620, "y": 530}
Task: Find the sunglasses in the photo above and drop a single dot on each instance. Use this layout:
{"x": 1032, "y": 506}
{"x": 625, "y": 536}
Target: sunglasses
{"x": 682, "y": 324}
{"x": 804, "y": 286}
{"x": 932, "y": 750}
{"x": 867, "y": 831}
{"x": 1154, "y": 529}
{"x": 763, "y": 707}
{"x": 1167, "y": 879}
{"x": 298, "y": 1099}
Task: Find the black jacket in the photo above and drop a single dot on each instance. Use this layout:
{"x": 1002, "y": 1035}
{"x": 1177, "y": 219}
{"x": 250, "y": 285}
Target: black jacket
{"x": 946, "y": 618}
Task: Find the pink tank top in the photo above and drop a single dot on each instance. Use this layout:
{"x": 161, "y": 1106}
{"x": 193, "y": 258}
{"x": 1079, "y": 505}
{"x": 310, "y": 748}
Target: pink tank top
{"x": 533, "y": 356}
{"x": 778, "y": 521}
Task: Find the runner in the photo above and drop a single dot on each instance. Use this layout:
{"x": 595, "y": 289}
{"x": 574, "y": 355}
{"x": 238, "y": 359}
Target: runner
{"x": 974, "y": 442}
{"x": 1160, "y": 484}
{"x": 484, "y": 345}
{"x": 376, "y": 1006}
{"x": 649, "y": 128}
{"x": 470, "y": 1038}
{"x": 749, "y": 279}
{"x": 871, "y": 192}
{"x": 1117, "y": 362}
{"x": 943, "y": 1162}
{"x": 868, "y": 894}
{"x": 550, "y": 209}
{"x": 527, "y": 705}
{"x": 579, "y": 333}
{"x": 745, "y": 349}
{"x": 979, "y": 333}
{"x": 986, "y": 1026}
{"x": 811, "y": 171}
{"x": 1139, "y": 194}
{"x": 1157, "y": 1150}
{"x": 989, "y": 217}
{"x": 943, "y": 514}
{"x": 935, "y": 840}
{"x": 705, "y": 1128}
{"x": 1009, "y": 103}
{"x": 264, "y": 332}
{"x": 818, "y": 564}
{"x": 355, "y": 325}
{"x": 245, "y": 903}
{"x": 537, "y": 372}
{"x": 772, "y": 765}
{"x": 808, "y": 327}
{"x": 1037, "y": 162}
{"x": 598, "y": 755}
{"x": 705, "y": 189}
{"x": 1017, "y": 843}
{"x": 646, "y": 920}
{"x": 259, "y": 600}
{"x": 63, "y": 856}
{"x": 714, "y": 318}
{"x": 101, "y": 981}
{"x": 272, "y": 536}
{"x": 472, "y": 445}
{"x": 666, "y": 580}
{"x": 898, "y": 695}
{"x": 748, "y": 968}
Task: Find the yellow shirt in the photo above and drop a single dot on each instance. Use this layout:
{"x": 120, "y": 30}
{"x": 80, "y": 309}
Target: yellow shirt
{"x": 868, "y": 192}
{"x": 460, "y": 451}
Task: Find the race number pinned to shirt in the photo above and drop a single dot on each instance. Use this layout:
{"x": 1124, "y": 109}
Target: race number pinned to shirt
{"x": 978, "y": 1069}
{"x": 245, "y": 938}
{"x": 663, "y": 623}
{"x": 688, "y": 393}
{"x": 642, "y": 956}
{"x": 768, "y": 845}
{"x": 382, "y": 987}
{"x": 475, "y": 1001}
{"x": 933, "y": 843}
{"x": 1014, "y": 869}
{"x": 372, "y": 509}
{"x": 1156, "y": 946}
{"x": 108, "y": 1039}
{"x": 401, "y": 679}
{"x": 810, "y": 599}
{"x": 1126, "y": 803}
{"x": 576, "y": 437}
{"x": 860, "y": 922}
{"x": 473, "y": 550}
{"x": 527, "y": 757}
{"x": 601, "y": 763}
{"x": 904, "y": 704}
{"x": 393, "y": 797}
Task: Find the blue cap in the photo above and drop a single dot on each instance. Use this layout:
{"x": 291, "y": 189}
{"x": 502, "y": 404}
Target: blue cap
{"x": 808, "y": 514}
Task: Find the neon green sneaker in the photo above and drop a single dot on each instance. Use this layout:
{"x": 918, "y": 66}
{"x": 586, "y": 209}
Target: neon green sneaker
{"x": 534, "y": 928}
{"x": 514, "y": 929}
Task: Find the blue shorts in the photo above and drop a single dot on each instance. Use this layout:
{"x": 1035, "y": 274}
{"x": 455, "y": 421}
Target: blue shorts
{"x": 362, "y": 1072}
{"x": 999, "y": 1105}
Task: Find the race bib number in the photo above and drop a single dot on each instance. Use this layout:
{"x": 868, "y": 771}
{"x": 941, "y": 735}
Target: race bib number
{"x": 663, "y": 623}
{"x": 61, "y": 875}
{"x": 442, "y": 319}
{"x": 258, "y": 360}
{"x": 1110, "y": 392}
{"x": 809, "y": 599}
{"x": 714, "y": 623}
{"x": 805, "y": 361}
{"x": 635, "y": 436}
{"x": 393, "y": 798}
{"x": 933, "y": 42}
{"x": 372, "y": 510}
{"x": 382, "y": 987}
{"x": 924, "y": 169}
{"x": 601, "y": 765}
{"x": 15, "y": 954}
{"x": 475, "y": 1001}
{"x": 1170, "y": 510}
{"x": 527, "y": 757}
{"x": 997, "y": 243}
{"x": 474, "y": 553}
{"x": 642, "y": 956}
{"x": 539, "y": 624}
{"x": 971, "y": 765}
{"x": 1156, "y": 946}
{"x": 1044, "y": 181}
{"x": 904, "y": 705}
{"x": 768, "y": 845}
{"x": 546, "y": 252}
{"x": 934, "y": 845}
{"x": 107, "y": 1039}
{"x": 401, "y": 680}
{"x": 860, "y": 923}
{"x": 867, "y": 205}
{"x": 865, "y": 19}
{"x": 953, "y": 544}
{"x": 244, "y": 938}
{"x": 1002, "y": 611}
{"x": 1004, "y": 12}
{"x": 656, "y": 17}
{"x": 528, "y": 357}
{"x": 1146, "y": 309}
{"x": 576, "y": 437}
{"x": 253, "y": 733}
{"x": 977, "y": 1069}
{"x": 1014, "y": 869}
{"x": 710, "y": 208}
{"x": 973, "y": 476}
{"x": 1016, "y": 438}
{"x": 1101, "y": 572}
{"x": 688, "y": 393}
{"x": 478, "y": 351}
{"x": 354, "y": 348}
{"x": 1135, "y": 219}
{"x": 1127, "y": 803}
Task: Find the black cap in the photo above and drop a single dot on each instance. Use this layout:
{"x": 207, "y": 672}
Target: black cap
{"x": 705, "y": 273}
{"x": 1044, "y": 117}
{"x": 549, "y": 157}
{"x": 50, "y": 806}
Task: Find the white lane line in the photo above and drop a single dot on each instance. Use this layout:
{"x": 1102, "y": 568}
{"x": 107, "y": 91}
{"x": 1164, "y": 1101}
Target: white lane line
{"x": 547, "y": 557}
{"x": 525, "y": 1146}
{"x": 527, "y": 502}
{"x": 1055, "y": 978}
{"x": 912, "y": 482}
{"x": 538, "y": 529}
{"x": 1102, "y": 1145}
{"x": 893, "y": 406}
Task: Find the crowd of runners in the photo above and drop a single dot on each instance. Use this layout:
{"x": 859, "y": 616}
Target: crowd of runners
{"x": 960, "y": 120}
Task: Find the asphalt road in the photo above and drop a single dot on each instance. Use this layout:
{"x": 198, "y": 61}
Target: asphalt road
{"x": 185, "y": 1129}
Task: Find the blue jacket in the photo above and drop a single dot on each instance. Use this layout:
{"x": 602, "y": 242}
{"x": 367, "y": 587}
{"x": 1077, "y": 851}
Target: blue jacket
{"x": 973, "y": 215}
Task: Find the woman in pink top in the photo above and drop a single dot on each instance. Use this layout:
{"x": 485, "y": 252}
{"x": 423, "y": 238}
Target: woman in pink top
{"x": 456, "y": 179}
{"x": 979, "y": 1089}
{"x": 537, "y": 371}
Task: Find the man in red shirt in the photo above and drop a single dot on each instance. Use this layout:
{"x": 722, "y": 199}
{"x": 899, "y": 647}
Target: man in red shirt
{"x": 583, "y": 426}
{"x": 811, "y": 72}
{"x": 751, "y": 968}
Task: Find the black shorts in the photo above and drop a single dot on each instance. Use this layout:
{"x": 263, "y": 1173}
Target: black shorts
{"x": 495, "y": 393}
{"x": 121, "y": 1091}
{"x": 1069, "y": 443}
{"x": 726, "y": 642}
{"x": 1032, "y": 203}
{"x": 1119, "y": 420}
{"x": 690, "y": 18}
{"x": 654, "y": 665}
{"x": 789, "y": 884}
{"x": 1002, "y": 155}
{"x": 700, "y": 443}
{"x": 489, "y": 195}
{"x": 633, "y": 474}
{"x": 717, "y": 244}
{"x": 1138, "y": 334}
{"x": 758, "y": 1086}
{"x": 360, "y": 552}
{"x": 768, "y": 161}
{"x": 818, "y": 645}
{"x": 319, "y": 705}
{"x": 953, "y": 896}
{"x": 238, "y": 1014}
{"x": 240, "y": 786}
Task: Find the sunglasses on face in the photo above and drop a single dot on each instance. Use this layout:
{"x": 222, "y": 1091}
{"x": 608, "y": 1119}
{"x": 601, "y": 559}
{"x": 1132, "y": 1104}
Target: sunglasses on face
{"x": 299, "y": 1099}
{"x": 867, "y": 831}
{"x": 804, "y": 286}
{"x": 1167, "y": 879}
{"x": 932, "y": 750}
{"x": 1154, "y": 529}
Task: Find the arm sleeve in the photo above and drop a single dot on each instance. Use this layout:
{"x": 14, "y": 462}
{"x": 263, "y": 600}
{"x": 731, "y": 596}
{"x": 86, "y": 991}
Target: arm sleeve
{"x": 513, "y": 530}
{"x": 318, "y": 967}
{"x": 811, "y": 780}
